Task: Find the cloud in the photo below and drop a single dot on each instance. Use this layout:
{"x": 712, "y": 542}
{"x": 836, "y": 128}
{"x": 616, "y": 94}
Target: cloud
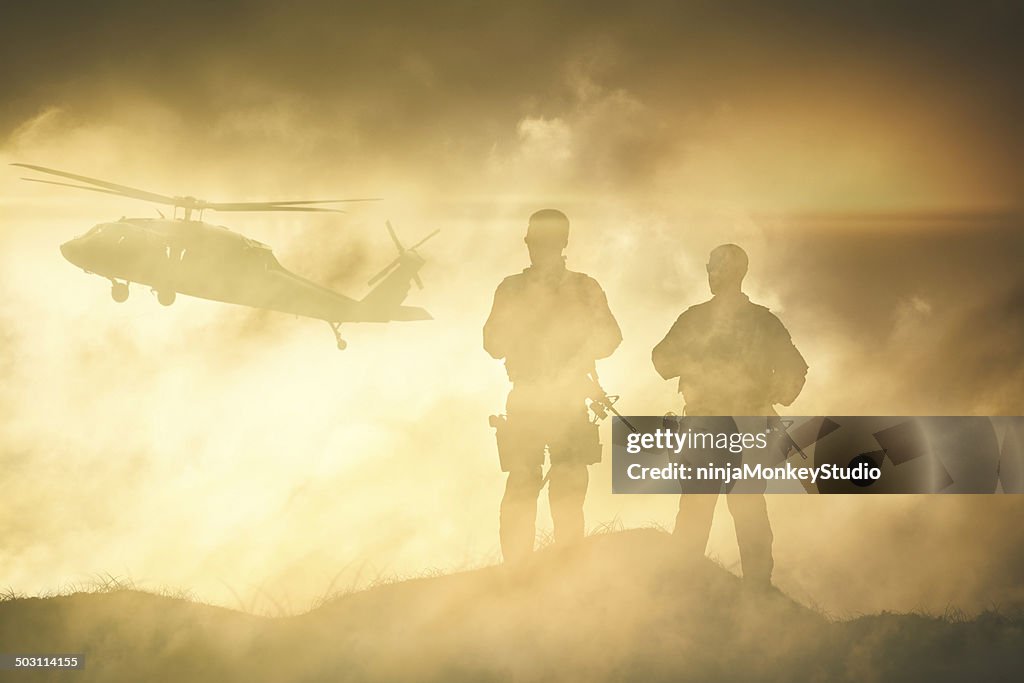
{"x": 250, "y": 443}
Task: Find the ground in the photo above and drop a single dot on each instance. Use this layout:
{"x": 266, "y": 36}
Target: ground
{"x": 619, "y": 607}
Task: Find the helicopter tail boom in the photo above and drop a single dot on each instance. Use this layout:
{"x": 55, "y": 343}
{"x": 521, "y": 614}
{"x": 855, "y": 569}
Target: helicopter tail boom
{"x": 403, "y": 313}
{"x": 384, "y": 301}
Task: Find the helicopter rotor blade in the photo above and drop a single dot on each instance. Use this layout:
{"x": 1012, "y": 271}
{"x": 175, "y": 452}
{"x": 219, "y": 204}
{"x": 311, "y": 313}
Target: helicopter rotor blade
{"x": 248, "y": 206}
{"x": 394, "y": 237}
{"x": 275, "y": 206}
{"x": 384, "y": 272}
{"x": 261, "y": 206}
{"x": 402, "y": 251}
{"x": 77, "y": 187}
{"x": 111, "y": 188}
{"x": 416, "y": 276}
{"x": 186, "y": 202}
{"x": 413, "y": 247}
{"x": 394, "y": 264}
{"x": 292, "y": 202}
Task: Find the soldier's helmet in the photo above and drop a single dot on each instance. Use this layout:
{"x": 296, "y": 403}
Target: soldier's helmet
{"x": 548, "y": 227}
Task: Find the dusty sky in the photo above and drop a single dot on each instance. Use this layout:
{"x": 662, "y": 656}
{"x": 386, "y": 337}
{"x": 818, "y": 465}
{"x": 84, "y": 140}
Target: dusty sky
{"x": 867, "y": 158}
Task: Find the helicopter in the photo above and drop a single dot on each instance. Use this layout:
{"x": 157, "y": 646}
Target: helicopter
{"x": 181, "y": 255}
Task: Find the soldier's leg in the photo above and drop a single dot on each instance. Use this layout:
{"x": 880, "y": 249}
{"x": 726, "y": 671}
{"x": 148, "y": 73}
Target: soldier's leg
{"x": 693, "y": 523}
{"x": 518, "y": 515}
{"x": 521, "y": 450}
{"x": 574, "y": 445}
{"x": 753, "y": 535}
{"x": 749, "y": 511}
{"x": 699, "y": 496}
{"x": 568, "y": 484}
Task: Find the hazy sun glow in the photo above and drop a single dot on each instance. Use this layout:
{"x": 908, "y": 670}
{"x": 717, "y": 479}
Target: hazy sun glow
{"x": 239, "y": 454}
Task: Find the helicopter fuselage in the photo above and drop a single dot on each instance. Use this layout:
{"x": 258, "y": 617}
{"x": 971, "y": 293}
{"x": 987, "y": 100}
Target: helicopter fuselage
{"x": 211, "y": 262}
{"x": 205, "y": 261}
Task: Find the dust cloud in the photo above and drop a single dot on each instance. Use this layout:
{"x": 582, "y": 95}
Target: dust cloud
{"x": 239, "y": 454}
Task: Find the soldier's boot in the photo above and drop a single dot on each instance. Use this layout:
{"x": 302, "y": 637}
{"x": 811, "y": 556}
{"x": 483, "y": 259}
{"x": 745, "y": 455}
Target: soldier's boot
{"x": 693, "y": 524}
{"x": 568, "y": 491}
{"x": 518, "y": 515}
{"x": 754, "y": 537}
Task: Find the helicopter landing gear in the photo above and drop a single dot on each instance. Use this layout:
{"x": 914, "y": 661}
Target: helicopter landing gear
{"x": 119, "y": 291}
{"x": 166, "y": 297}
{"x": 336, "y": 327}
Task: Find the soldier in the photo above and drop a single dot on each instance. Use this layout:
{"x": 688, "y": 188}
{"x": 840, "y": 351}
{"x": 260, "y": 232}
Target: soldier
{"x": 732, "y": 358}
{"x": 549, "y": 324}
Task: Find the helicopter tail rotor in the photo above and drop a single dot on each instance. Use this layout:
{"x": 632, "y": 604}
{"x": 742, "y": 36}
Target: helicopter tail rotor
{"x": 394, "y": 237}
{"x": 403, "y": 254}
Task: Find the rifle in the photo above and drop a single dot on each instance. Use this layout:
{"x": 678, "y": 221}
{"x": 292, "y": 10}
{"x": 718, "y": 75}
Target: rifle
{"x": 601, "y": 403}
{"x": 780, "y": 428}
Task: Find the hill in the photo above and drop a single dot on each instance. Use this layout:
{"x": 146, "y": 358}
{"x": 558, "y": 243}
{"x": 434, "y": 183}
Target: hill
{"x": 617, "y": 607}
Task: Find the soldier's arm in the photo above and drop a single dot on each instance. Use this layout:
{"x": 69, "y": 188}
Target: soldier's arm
{"x": 671, "y": 356}
{"x": 789, "y": 367}
{"x": 605, "y": 334}
{"x": 499, "y": 326}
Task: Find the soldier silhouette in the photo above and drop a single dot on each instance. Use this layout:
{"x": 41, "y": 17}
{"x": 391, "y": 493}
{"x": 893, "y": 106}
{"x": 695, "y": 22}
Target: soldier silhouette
{"x": 732, "y": 358}
{"x": 549, "y": 324}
